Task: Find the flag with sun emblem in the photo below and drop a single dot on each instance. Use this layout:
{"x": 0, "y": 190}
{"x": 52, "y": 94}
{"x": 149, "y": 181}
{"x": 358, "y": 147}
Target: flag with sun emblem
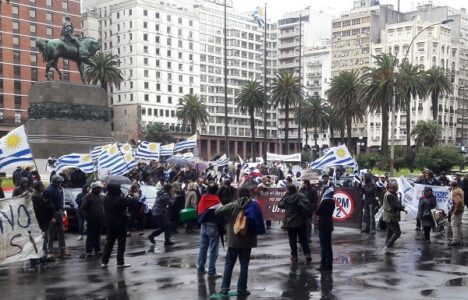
{"x": 189, "y": 143}
{"x": 336, "y": 156}
{"x": 113, "y": 160}
{"x": 147, "y": 150}
{"x": 130, "y": 161}
{"x": 84, "y": 162}
{"x": 98, "y": 150}
{"x": 166, "y": 150}
{"x": 126, "y": 148}
{"x": 14, "y": 149}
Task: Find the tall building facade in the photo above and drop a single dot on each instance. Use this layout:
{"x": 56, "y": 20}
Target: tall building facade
{"x": 21, "y": 65}
{"x": 432, "y": 48}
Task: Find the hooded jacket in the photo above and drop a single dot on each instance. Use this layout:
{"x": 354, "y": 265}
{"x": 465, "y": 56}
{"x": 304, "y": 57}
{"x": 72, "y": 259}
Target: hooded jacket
{"x": 230, "y": 212}
{"x": 43, "y": 209}
{"x": 293, "y": 216}
{"x": 391, "y": 208}
{"x": 162, "y": 203}
{"x": 93, "y": 207}
{"x": 115, "y": 207}
{"x": 426, "y": 203}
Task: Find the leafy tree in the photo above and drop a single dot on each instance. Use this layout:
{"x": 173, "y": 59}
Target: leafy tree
{"x": 192, "y": 111}
{"x": 158, "y": 133}
{"x": 410, "y": 85}
{"x": 378, "y": 92}
{"x": 284, "y": 92}
{"x": 438, "y": 159}
{"x": 427, "y": 133}
{"x": 437, "y": 82}
{"x": 249, "y": 99}
{"x": 344, "y": 93}
{"x": 103, "y": 69}
{"x": 313, "y": 114}
{"x": 367, "y": 160}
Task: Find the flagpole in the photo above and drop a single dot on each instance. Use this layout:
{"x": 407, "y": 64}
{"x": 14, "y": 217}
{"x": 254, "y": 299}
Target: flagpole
{"x": 299, "y": 94}
{"x": 265, "y": 104}
{"x": 226, "y": 137}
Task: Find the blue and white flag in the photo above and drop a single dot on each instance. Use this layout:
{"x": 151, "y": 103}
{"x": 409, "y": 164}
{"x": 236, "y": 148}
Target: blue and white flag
{"x": 126, "y": 148}
{"x": 98, "y": 150}
{"x": 83, "y": 162}
{"x": 147, "y": 150}
{"x": 113, "y": 160}
{"x": 130, "y": 161}
{"x": 166, "y": 150}
{"x": 14, "y": 149}
{"x": 337, "y": 156}
{"x": 259, "y": 16}
{"x": 221, "y": 162}
{"x": 189, "y": 143}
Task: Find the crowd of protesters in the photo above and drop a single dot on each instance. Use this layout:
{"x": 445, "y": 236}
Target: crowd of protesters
{"x": 224, "y": 205}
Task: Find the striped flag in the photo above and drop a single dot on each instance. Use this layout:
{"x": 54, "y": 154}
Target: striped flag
{"x": 259, "y": 17}
{"x": 98, "y": 150}
{"x": 83, "y": 162}
{"x": 221, "y": 162}
{"x": 147, "y": 150}
{"x": 166, "y": 150}
{"x": 130, "y": 161}
{"x": 113, "y": 160}
{"x": 337, "y": 156}
{"x": 14, "y": 149}
{"x": 125, "y": 148}
{"x": 189, "y": 143}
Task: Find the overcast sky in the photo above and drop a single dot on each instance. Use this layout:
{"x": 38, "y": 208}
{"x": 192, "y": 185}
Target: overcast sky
{"x": 277, "y": 7}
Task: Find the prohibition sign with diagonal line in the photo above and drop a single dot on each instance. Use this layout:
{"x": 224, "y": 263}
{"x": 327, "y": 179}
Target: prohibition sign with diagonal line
{"x": 344, "y": 206}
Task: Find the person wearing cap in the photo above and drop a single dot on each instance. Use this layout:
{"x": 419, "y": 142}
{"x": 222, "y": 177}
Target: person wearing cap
{"x": 54, "y": 194}
{"x": 426, "y": 204}
{"x": 23, "y": 188}
{"x": 325, "y": 226}
{"x": 456, "y": 212}
{"x": 326, "y": 183}
{"x": 92, "y": 209}
{"x": 391, "y": 214}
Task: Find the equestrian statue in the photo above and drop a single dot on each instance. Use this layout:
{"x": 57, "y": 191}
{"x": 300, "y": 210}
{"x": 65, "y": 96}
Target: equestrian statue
{"x": 69, "y": 47}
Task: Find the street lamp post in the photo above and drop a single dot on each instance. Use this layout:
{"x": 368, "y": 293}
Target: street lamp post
{"x": 392, "y": 133}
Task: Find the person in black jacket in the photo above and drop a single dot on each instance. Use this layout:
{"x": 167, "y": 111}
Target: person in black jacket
{"x": 2, "y": 194}
{"x": 161, "y": 214}
{"x": 227, "y": 193}
{"x": 116, "y": 220}
{"x": 79, "y": 214}
{"x": 311, "y": 195}
{"x": 44, "y": 210}
{"x": 93, "y": 210}
{"x": 426, "y": 204}
{"x": 325, "y": 227}
{"x": 370, "y": 201}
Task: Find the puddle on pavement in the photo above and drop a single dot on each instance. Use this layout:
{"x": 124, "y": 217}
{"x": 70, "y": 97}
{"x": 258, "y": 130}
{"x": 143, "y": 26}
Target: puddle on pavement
{"x": 266, "y": 257}
{"x": 430, "y": 292}
{"x": 460, "y": 281}
{"x": 136, "y": 253}
{"x": 176, "y": 262}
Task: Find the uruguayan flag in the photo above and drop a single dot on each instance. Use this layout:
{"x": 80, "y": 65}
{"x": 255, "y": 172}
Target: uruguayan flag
{"x": 125, "y": 148}
{"x": 221, "y": 162}
{"x": 259, "y": 17}
{"x": 113, "y": 160}
{"x": 83, "y": 162}
{"x": 147, "y": 150}
{"x": 98, "y": 150}
{"x": 189, "y": 143}
{"x": 130, "y": 161}
{"x": 167, "y": 150}
{"x": 14, "y": 149}
{"x": 337, "y": 156}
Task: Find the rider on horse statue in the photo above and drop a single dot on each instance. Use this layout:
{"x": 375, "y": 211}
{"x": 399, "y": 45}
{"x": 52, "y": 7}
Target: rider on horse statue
{"x": 67, "y": 34}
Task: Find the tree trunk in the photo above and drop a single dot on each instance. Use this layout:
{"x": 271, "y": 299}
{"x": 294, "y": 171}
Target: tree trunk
{"x": 348, "y": 129}
{"x": 332, "y": 137}
{"x": 306, "y": 136}
{"x": 193, "y": 124}
{"x": 384, "y": 142}
{"x": 286, "y": 128}
{"x": 342, "y": 134}
{"x": 408, "y": 122}
{"x": 315, "y": 143}
{"x": 252, "y": 133}
{"x": 435, "y": 106}
{"x": 104, "y": 85}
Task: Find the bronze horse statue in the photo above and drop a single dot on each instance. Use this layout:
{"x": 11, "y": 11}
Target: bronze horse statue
{"x": 54, "y": 49}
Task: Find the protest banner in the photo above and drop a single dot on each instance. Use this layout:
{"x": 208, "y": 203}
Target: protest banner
{"x": 20, "y": 235}
{"x": 348, "y": 205}
{"x": 280, "y": 157}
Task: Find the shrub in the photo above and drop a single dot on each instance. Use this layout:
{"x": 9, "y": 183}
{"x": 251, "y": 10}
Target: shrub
{"x": 438, "y": 159}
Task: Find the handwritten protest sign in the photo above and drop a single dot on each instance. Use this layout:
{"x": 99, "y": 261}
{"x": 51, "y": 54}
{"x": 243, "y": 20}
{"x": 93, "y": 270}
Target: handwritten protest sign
{"x": 268, "y": 200}
{"x": 20, "y": 235}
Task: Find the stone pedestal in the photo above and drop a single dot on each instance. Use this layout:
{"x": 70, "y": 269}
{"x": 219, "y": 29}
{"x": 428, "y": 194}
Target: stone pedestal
{"x": 67, "y": 117}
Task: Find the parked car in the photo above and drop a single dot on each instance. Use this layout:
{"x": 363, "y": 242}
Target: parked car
{"x": 150, "y": 193}
{"x": 71, "y": 207}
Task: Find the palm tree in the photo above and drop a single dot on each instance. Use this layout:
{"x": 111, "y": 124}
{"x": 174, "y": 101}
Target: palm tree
{"x": 410, "y": 84}
{"x": 437, "y": 82}
{"x": 191, "y": 110}
{"x": 103, "y": 69}
{"x": 158, "y": 132}
{"x": 335, "y": 123}
{"x": 284, "y": 92}
{"x": 344, "y": 92}
{"x": 378, "y": 91}
{"x": 313, "y": 114}
{"x": 250, "y": 98}
{"x": 427, "y": 133}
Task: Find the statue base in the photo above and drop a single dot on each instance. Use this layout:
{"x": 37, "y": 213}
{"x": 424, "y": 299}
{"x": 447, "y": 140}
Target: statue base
{"x": 66, "y": 117}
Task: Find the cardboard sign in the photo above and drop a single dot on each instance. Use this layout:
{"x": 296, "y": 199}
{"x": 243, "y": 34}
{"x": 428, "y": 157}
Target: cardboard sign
{"x": 20, "y": 235}
{"x": 268, "y": 200}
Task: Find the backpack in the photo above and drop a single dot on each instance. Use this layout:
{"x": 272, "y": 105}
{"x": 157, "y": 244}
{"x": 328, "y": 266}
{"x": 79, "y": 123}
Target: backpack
{"x": 241, "y": 224}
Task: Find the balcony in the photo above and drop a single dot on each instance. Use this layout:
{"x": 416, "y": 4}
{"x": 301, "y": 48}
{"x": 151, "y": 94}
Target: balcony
{"x": 12, "y": 121}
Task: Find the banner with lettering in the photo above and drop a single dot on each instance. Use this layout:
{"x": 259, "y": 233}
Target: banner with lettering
{"x": 20, "y": 235}
{"x": 279, "y": 157}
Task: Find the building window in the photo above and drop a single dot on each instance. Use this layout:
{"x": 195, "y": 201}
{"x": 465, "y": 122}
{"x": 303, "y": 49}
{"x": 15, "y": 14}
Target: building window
{"x": 146, "y": 73}
{"x": 33, "y": 28}
{"x": 181, "y": 78}
{"x": 157, "y": 40}
{"x": 34, "y": 74}
{"x": 169, "y": 53}
{"x": 16, "y": 56}
{"x": 145, "y": 24}
{"x": 33, "y": 58}
{"x": 145, "y": 13}
{"x": 49, "y": 3}
{"x": 49, "y": 31}
{"x": 15, "y": 10}
{"x": 181, "y": 89}
{"x": 145, "y": 37}
{"x": 17, "y": 72}
{"x": 158, "y": 99}
{"x": 169, "y": 88}
{"x": 157, "y": 63}
{"x": 66, "y": 64}
{"x": 145, "y": 61}
{"x": 146, "y": 97}
{"x": 32, "y": 13}
{"x": 158, "y": 87}
{"x": 180, "y": 20}
{"x": 169, "y": 100}
{"x": 66, "y": 76}
{"x": 168, "y": 18}
{"x": 180, "y": 44}
{"x": 146, "y": 85}
{"x": 15, "y": 25}
{"x": 17, "y": 87}
{"x": 181, "y": 67}
{"x": 17, "y": 118}
{"x": 16, "y": 41}
{"x": 157, "y": 15}
{"x": 157, "y": 51}
{"x": 169, "y": 65}
{"x": 190, "y": 23}
{"x": 169, "y": 42}
{"x": 65, "y": 5}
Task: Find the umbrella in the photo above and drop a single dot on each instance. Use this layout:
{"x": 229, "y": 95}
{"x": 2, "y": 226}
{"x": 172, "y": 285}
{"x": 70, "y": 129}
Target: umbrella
{"x": 117, "y": 179}
{"x": 181, "y": 160}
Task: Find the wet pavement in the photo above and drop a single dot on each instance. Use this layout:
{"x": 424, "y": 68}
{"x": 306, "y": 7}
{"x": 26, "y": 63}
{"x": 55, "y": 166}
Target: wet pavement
{"x": 361, "y": 271}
